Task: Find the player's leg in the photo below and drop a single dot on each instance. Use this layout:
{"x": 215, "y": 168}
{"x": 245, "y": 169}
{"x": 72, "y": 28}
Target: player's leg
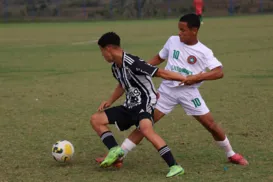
{"x": 99, "y": 122}
{"x": 146, "y": 128}
{"x": 132, "y": 141}
{"x": 136, "y": 136}
{"x": 165, "y": 104}
{"x": 121, "y": 118}
{"x": 194, "y": 105}
{"x": 208, "y": 122}
{"x": 220, "y": 138}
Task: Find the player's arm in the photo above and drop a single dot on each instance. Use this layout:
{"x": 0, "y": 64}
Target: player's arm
{"x": 169, "y": 75}
{"x": 118, "y": 92}
{"x": 161, "y": 56}
{"x": 214, "y": 74}
{"x": 156, "y": 60}
{"x": 143, "y": 68}
{"x": 215, "y": 67}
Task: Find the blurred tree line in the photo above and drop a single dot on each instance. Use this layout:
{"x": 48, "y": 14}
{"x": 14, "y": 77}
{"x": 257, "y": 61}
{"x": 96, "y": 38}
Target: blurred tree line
{"x": 124, "y": 9}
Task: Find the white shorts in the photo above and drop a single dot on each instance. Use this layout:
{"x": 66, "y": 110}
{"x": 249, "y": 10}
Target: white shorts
{"x": 188, "y": 97}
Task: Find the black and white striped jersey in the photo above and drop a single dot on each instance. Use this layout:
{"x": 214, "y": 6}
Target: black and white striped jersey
{"x": 135, "y": 77}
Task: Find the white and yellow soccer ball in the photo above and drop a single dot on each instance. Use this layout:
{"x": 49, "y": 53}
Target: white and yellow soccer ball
{"x": 62, "y": 151}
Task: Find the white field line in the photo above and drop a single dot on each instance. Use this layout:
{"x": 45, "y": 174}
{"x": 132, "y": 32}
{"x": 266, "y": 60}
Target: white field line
{"x": 73, "y": 43}
{"x": 85, "y": 42}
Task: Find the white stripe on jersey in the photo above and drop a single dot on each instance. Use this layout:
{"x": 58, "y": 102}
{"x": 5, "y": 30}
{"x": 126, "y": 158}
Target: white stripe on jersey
{"x": 154, "y": 72}
{"x": 143, "y": 82}
{"x": 150, "y": 87}
{"x": 125, "y": 75}
{"x": 146, "y": 84}
{"x": 119, "y": 76}
{"x": 128, "y": 59}
{"x": 151, "y": 83}
{"x": 143, "y": 88}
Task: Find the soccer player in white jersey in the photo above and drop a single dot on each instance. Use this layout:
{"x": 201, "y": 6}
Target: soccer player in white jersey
{"x": 191, "y": 58}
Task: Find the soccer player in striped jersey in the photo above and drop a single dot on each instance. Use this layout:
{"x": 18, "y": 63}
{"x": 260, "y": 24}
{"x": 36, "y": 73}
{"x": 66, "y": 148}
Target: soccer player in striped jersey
{"x": 134, "y": 78}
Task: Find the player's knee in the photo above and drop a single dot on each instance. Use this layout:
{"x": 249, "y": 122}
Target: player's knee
{"x": 94, "y": 120}
{"x": 146, "y": 127}
{"x": 143, "y": 131}
{"x": 146, "y": 131}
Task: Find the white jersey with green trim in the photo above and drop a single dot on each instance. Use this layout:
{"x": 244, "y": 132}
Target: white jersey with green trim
{"x": 186, "y": 59}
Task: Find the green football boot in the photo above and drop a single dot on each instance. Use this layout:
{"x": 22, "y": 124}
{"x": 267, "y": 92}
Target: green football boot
{"x": 114, "y": 154}
{"x": 175, "y": 171}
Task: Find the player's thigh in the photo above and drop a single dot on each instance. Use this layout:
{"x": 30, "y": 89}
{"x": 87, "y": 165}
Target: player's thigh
{"x": 166, "y": 102}
{"x": 120, "y": 117}
{"x": 158, "y": 115}
{"x": 193, "y": 103}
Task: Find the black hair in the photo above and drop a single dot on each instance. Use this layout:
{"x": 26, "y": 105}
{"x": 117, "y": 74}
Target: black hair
{"x": 109, "y": 38}
{"x": 192, "y": 20}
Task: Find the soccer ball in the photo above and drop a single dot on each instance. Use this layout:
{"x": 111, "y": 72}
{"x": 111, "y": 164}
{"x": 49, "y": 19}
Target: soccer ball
{"x": 62, "y": 151}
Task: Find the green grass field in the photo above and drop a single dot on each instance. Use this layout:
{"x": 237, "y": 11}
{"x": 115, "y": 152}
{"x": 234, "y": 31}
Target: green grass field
{"x": 53, "y": 77}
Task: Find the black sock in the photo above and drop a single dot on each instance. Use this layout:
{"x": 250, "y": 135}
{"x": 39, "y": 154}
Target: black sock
{"x": 167, "y": 155}
{"x": 108, "y": 139}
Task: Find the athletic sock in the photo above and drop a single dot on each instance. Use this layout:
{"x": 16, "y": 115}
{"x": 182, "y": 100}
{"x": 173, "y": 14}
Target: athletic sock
{"x": 127, "y": 146}
{"x": 225, "y": 145}
{"x": 108, "y": 139}
{"x": 167, "y": 155}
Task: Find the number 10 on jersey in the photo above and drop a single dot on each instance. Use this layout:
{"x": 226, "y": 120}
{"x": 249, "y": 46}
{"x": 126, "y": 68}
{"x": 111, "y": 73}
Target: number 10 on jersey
{"x": 175, "y": 54}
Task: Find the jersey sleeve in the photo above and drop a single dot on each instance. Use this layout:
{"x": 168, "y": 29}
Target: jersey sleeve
{"x": 140, "y": 67}
{"x": 211, "y": 61}
{"x": 164, "y": 52}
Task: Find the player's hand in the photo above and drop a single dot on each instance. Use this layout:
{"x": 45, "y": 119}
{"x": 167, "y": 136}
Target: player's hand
{"x": 192, "y": 79}
{"x": 182, "y": 80}
{"x": 104, "y": 105}
{"x": 157, "y": 95}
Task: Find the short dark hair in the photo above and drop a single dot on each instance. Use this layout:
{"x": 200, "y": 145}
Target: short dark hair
{"x": 109, "y": 38}
{"x": 192, "y": 20}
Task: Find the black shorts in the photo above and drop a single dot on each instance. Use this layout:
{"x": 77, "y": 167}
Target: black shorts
{"x": 124, "y": 118}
